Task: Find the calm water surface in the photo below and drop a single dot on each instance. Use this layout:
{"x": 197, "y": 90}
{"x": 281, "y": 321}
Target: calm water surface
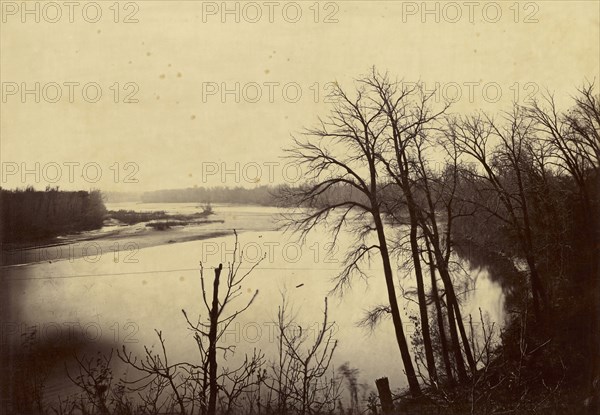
{"x": 117, "y": 302}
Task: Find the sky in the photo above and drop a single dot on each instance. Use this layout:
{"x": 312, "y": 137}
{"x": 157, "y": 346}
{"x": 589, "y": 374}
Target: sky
{"x": 144, "y": 95}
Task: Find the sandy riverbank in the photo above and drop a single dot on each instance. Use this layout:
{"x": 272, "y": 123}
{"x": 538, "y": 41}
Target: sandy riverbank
{"x": 122, "y": 242}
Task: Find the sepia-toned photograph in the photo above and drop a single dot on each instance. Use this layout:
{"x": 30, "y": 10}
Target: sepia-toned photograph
{"x": 310, "y": 207}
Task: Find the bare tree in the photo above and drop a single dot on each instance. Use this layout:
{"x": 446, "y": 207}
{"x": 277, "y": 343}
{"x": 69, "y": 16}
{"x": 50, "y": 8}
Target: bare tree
{"x": 197, "y": 386}
{"x": 573, "y": 140}
{"x": 209, "y": 333}
{"x": 157, "y": 375}
{"x": 502, "y": 168}
{"x": 299, "y": 378}
{"x": 243, "y": 380}
{"x": 438, "y": 201}
{"x": 94, "y": 377}
{"x": 574, "y": 136}
{"x": 408, "y": 115}
{"x": 342, "y": 153}
{"x": 413, "y": 132}
{"x": 439, "y": 316}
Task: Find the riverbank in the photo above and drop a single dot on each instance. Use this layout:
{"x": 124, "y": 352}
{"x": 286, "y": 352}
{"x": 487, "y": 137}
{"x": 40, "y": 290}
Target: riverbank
{"x": 122, "y": 241}
{"x": 122, "y": 244}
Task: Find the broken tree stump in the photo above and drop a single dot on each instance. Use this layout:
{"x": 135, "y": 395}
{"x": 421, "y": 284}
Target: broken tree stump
{"x": 385, "y": 395}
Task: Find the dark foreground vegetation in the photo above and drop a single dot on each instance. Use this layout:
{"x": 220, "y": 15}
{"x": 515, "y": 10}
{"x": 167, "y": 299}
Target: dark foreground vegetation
{"x": 516, "y": 193}
{"x": 29, "y": 215}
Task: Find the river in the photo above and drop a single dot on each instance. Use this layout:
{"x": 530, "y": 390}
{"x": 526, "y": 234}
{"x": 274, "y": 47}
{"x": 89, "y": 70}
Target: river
{"x": 118, "y": 298}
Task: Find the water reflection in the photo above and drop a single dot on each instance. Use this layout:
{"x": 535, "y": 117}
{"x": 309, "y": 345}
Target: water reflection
{"x": 112, "y": 303}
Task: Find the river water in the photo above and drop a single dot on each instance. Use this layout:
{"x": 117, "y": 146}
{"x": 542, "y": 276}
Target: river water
{"x": 116, "y": 300}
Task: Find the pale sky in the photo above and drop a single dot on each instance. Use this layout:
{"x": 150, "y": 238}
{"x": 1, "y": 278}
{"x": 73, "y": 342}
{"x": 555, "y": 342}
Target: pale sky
{"x": 179, "y": 55}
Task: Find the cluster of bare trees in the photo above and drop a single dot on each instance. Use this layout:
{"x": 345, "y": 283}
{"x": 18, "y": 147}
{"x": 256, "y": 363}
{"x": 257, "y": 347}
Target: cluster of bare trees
{"x": 388, "y": 155}
{"x": 299, "y": 380}
{"x": 375, "y": 141}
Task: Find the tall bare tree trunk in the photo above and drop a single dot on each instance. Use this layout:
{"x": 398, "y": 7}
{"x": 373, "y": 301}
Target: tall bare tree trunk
{"x": 212, "y": 345}
{"x": 422, "y": 301}
{"x": 416, "y": 257}
{"x": 411, "y": 376}
{"x": 440, "y": 319}
{"x": 452, "y": 303}
{"x": 463, "y": 333}
{"x": 537, "y": 286}
{"x": 458, "y": 357}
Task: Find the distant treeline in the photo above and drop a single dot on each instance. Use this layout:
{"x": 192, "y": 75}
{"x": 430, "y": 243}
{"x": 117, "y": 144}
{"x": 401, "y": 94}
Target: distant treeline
{"x": 262, "y": 195}
{"x": 29, "y": 215}
{"x": 116, "y": 197}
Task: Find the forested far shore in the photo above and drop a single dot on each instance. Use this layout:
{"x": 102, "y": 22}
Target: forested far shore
{"x": 260, "y": 195}
{"x": 266, "y": 195}
{"x": 33, "y": 215}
